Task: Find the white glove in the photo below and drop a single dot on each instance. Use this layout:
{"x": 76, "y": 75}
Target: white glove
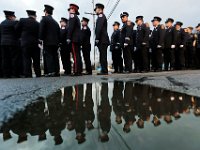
{"x": 125, "y": 44}
{"x": 181, "y": 46}
{"x": 159, "y": 46}
{"x": 68, "y": 41}
{"x": 135, "y": 49}
{"x": 96, "y": 42}
{"x": 144, "y": 43}
{"x": 173, "y": 46}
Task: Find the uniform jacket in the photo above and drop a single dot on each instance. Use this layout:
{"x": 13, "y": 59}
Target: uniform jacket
{"x": 49, "y": 31}
{"x": 28, "y": 29}
{"x": 85, "y": 36}
{"x": 63, "y": 35}
{"x": 181, "y": 37}
{"x": 158, "y": 37}
{"x": 142, "y": 35}
{"x": 170, "y": 37}
{"x": 8, "y": 33}
{"x": 115, "y": 40}
{"x": 74, "y": 29}
{"x": 127, "y": 34}
{"x": 101, "y": 30}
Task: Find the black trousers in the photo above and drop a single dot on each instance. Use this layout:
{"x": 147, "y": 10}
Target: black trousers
{"x": 117, "y": 60}
{"x": 51, "y": 60}
{"x": 1, "y": 71}
{"x": 86, "y": 49}
{"x": 197, "y": 58}
{"x": 65, "y": 58}
{"x": 128, "y": 61}
{"x": 179, "y": 58}
{"x": 31, "y": 54}
{"x": 169, "y": 58}
{"x": 77, "y": 58}
{"x": 157, "y": 58}
{"x": 189, "y": 56}
{"x": 10, "y": 60}
{"x": 103, "y": 57}
{"x": 143, "y": 58}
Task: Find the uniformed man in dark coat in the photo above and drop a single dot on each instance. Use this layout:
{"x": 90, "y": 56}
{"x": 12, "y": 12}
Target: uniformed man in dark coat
{"x": 28, "y": 29}
{"x": 102, "y": 39}
{"x": 198, "y": 46}
{"x": 49, "y": 33}
{"x": 142, "y": 44}
{"x": 170, "y": 44}
{"x": 157, "y": 44}
{"x": 64, "y": 47}
{"x": 9, "y": 49}
{"x": 180, "y": 46}
{"x": 127, "y": 42}
{"x": 86, "y": 45}
{"x": 73, "y": 38}
{"x": 190, "y": 48}
{"x": 116, "y": 50}
{"x": 1, "y": 71}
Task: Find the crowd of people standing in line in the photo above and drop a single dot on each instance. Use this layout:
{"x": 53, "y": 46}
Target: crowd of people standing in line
{"x": 166, "y": 47}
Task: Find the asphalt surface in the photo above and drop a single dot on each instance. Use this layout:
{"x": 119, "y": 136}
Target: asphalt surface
{"x": 18, "y": 93}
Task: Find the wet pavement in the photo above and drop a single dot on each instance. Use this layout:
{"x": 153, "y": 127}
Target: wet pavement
{"x": 112, "y": 114}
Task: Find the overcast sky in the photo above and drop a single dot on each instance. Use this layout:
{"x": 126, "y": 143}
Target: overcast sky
{"x": 186, "y": 11}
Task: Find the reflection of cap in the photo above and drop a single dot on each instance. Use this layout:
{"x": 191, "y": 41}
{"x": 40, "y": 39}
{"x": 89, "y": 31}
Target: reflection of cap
{"x": 9, "y": 13}
{"x": 49, "y": 9}
{"x": 126, "y": 128}
{"x": 116, "y": 23}
{"x": 139, "y": 18}
{"x": 22, "y": 138}
{"x": 156, "y": 19}
{"x": 58, "y": 140}
{"x": 6, "y": 136}
{"x": 31, "y": 12}
{"x": 179, "y": 23}
{"x": 85, "y": 19}
{"x": 80, "y": 138}
{"x": 104, "y": 138}
{"x": 124, "y": 14}
{"x": 42, "y": 137}
{"x": 98, "y": 5}
{"x": 64, "y": 20}
{"x": 169, "y": 20}
{"x": 198, "y": 25}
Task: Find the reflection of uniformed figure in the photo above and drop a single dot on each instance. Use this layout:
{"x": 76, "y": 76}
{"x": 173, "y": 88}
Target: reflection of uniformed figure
{"x": 104, "y": 114}
{"x": 89, "y": 107}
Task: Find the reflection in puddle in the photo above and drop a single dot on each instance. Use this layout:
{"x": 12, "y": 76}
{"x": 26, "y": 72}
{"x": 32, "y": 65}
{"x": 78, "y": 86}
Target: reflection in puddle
{"x": 123, "y": 107}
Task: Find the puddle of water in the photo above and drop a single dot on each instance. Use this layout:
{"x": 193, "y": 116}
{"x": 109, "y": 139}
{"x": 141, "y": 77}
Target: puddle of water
{"x": 117, "y": 115}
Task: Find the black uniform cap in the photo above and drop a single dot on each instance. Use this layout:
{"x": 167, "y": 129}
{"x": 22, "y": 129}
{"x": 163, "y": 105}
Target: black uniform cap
{"x": 116, "y": 23}
{"x": 9, "y": 13}
{"x": 85, "y": 19}
{"x": 124, "y": 14}
{"x": 169, "y": 20}
{"x": 198, "y": 25}
{"x": 49, "y": 9}
{"x": 179, "y": 23}
{"x": 64, "y": 20}
{"x": 156, "y": 19}
{"x": 31, "y": 12}
{"x": 139, "y": 18}
{"x": 99, "y": 5}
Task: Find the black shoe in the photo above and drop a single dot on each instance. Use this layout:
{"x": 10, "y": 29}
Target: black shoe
{"x": 102, "y": 73}
{"x": 76, "y": 74}
{"x": 87, "y": 73}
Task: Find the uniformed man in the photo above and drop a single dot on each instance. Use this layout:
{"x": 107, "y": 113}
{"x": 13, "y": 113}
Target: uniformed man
{"x": 49, "y": 33}
{"x": 190, "y": 48}
{"x": 64, "y": 47}
{"x": 102, "y": 39}
{"x": 116, "y": 50}
{"x": 28, "y": 29}
{"x": 86, "y": 45}
{"x": 198, "y": 46}
{"x": 180, "y": 46}
{"x": 73, "y": 38}
{"x": 9, "y": 49}
{"x": 170, "y": 45}
{"x": 127, "y": 42}
{"x": 157, "y": 44}
{"x": 142, "y": 44}
{"x": 1, "y": 71}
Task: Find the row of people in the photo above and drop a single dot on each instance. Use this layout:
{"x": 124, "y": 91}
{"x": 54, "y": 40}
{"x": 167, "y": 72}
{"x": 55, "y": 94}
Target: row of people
{"x": 173, "y": 45}
{"x": 166, "y": 47}
{"x": 75, "y": 111}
